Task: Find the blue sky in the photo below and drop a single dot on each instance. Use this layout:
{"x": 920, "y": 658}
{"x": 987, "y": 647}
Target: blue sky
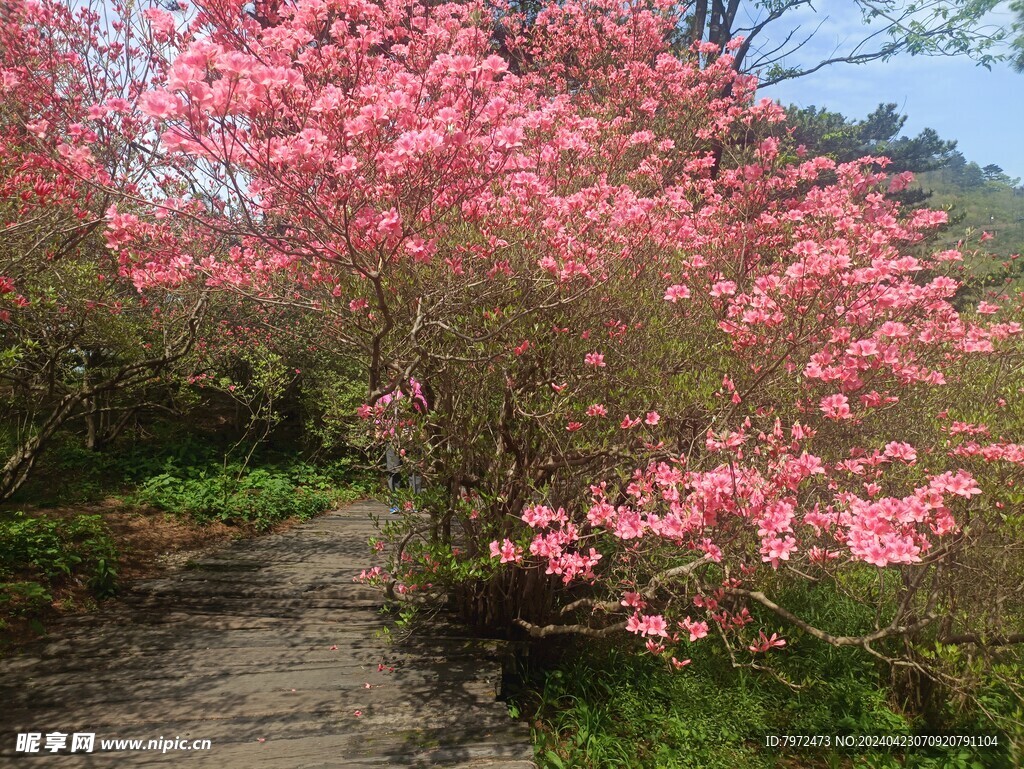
{"x": 983, "y": 110}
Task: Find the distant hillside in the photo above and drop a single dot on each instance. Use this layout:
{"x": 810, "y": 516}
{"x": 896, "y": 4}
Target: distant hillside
{"x": 977, "y": 204}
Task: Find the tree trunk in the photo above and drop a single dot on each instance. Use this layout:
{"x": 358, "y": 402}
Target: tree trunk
{"x": 510, "y": 594}
{"x": 17, "y": 468}
{"x": 92, "y": 426}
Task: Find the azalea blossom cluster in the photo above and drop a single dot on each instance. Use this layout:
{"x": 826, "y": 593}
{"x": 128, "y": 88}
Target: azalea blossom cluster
{"x": 383, "y": 108}
{"x": 841, "y": 320}
{"x": 385, "y": 413}
{"x": 467, "y": 210}
{"x": 792, "y": 506}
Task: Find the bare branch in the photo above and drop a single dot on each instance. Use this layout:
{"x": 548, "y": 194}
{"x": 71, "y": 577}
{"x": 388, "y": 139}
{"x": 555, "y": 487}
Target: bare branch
{"x": 891, "y": 630}
{"x": 544, "y": 631}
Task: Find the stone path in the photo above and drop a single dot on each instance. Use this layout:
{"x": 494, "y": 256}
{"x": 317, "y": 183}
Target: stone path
{"x": 240, "y": 651}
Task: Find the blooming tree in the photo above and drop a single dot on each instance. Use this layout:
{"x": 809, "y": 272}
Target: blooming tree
{"x": 665, "y": 364}
{"x": 78, "y": 341}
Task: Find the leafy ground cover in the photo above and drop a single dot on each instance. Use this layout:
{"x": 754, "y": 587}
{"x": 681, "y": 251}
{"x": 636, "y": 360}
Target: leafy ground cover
{"x": 234, "y": 493}
{"x": 596, "y": 704}
{"x": 37, "y": 554}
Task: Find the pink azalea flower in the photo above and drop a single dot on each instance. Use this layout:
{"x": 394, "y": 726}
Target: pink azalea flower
{"x": 647, "y": 625}
{"x": 697, "y": 630}
{"x": 507, "y": 550}
{"x": 633, "y": 624}
{"x": 633, "y": 599}
{"x": 677, "y": 292}
{"x": 160, "y": 104}
{"x": 765, "y": 643}
{"x": 836, "y": 407}
{"x": 723, "y": 288}
{"x": 654, "y": 647}
{"x": 902, "y": 451}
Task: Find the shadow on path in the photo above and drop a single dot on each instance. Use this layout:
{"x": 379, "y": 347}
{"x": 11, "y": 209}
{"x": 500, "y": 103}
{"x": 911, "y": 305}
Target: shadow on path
{"x": 240, "y": 651}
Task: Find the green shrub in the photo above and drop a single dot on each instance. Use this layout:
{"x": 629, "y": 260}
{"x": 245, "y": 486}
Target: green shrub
{"x": 37, "y": 554}
{"x": 236, "y": 494}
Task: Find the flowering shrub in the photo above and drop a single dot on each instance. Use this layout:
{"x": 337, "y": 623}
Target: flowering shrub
{"x": 663, "y": 363}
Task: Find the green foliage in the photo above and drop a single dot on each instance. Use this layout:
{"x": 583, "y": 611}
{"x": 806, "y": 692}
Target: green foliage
{"x": 69, "y": 473}
{"x": 832, "y": 134}
{"x": 37, "y": 554}
{"x": 607, "y": 707}
{"x": 332, "y": 392}
{"x": 1017, "y": 60}
{"x": 237, "y": 494}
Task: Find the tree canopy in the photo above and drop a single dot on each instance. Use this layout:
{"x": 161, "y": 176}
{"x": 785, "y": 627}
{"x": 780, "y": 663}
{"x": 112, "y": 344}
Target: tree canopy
{"x": 831, "y": 133}
{"x": 1018, "y": 42}
{"x": 776, "y": 33}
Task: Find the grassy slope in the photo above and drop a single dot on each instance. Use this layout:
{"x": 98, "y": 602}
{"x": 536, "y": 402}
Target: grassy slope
{"x": 994, "y": 208}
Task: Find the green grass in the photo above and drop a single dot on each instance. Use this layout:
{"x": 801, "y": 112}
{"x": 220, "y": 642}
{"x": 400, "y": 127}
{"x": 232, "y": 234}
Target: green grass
{"x": 603, "y": 705}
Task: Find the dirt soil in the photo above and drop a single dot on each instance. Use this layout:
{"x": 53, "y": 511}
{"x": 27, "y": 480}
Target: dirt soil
{"x": 150, "y": 542}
